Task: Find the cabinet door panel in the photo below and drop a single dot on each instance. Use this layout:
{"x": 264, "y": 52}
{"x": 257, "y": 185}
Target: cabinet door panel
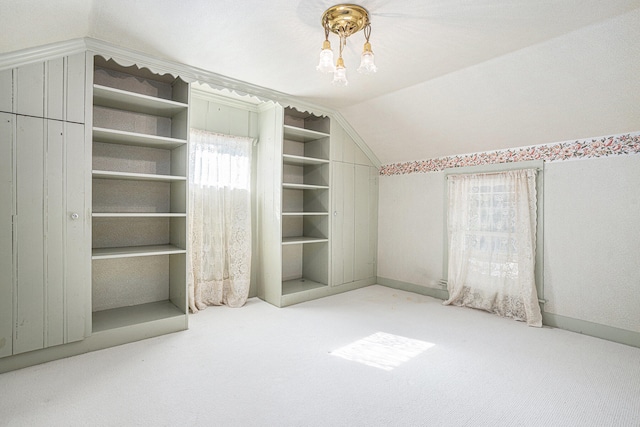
{"x": 29, "y": 331}
{"x": 348, "y": 149}
{"x": 6, "y": 91}
{"x": 373, "y": 216}
{"x": 55, "y": 89}
{"x": 337, "y": 137}
{"x": 29, "y": 90}
{"x": 75, "y": 73}
{"x": 6, "y": 233}
{"x": 348, "y": 223}
{"x": 54, "y": 239}
{"x": 363, "y": 263}
{"x": 76, "y": 246}
{"x": 337, "y": 251}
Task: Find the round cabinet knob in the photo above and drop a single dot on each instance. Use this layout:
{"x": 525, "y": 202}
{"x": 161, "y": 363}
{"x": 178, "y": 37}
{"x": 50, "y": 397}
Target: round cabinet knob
{"x": 75, "y": 216}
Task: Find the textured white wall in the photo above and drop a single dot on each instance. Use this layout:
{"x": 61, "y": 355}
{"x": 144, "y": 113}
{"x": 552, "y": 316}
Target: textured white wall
{"x": 592, "y": 240}
{"x": 411, "y": 227}
{"x": 591, "y": 236}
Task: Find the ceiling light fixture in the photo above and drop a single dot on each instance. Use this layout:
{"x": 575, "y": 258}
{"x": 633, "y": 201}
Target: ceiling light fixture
{"x": 345, "y": 20}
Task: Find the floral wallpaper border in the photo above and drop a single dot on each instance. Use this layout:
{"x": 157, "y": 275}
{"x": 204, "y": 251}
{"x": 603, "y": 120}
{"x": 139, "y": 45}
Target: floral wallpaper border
{"x": 580, "y": 149}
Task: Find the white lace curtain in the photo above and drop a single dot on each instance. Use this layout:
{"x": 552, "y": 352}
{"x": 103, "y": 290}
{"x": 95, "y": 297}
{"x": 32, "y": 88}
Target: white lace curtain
{"x": 219, "y": 219}
{"x": 492, "y": 243}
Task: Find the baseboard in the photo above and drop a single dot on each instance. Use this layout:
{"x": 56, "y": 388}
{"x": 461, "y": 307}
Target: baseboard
{"x": 97, "y": 341}
{"x": 416, "y": 289}
{"x": 596, "y": 330}
{"x": 325, "y": 291}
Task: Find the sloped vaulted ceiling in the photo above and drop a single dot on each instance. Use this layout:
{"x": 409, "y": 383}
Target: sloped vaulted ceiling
{"x": 454, "y": 76}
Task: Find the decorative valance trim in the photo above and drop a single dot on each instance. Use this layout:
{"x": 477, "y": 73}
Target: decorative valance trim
{"x": 126, "y": 57}
{"x": 580, "y": 149}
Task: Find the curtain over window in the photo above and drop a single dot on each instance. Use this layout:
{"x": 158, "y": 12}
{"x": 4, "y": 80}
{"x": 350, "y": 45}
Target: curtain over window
{"x": 219, "y": 219}
{"x": 492, "y": 243}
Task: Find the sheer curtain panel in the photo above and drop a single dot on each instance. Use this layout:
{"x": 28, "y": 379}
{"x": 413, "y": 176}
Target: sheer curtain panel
{"x": 492, "y": 243}
{"x": 219, "y": 219}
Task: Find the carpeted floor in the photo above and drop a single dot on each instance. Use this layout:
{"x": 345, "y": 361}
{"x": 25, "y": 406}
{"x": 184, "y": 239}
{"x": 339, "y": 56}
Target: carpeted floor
{"x": 264, "y": 366}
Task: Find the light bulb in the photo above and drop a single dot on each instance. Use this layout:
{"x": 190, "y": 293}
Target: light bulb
{"x": 340, "y": 74}
{"x": 326, "y": 59}
{"x": 367, "y": 66}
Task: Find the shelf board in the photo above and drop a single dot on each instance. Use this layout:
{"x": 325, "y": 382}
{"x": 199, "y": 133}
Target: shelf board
{"x": 134, "y": 315}
{"x": 300, "y": 285}
{"x": 290, "y": 159}
{"x": 292, "y": 186}
{"x": 109, "y": 97}
{"x": 302, "y": 240}
{"x": 305, "y": 213}
{"x": 137, "y": 215}
{"x": 136, "y": 176}
{"x": 114, "y": 136}
{"x": 293, "y": 133}
{"x": 135, "y": 251}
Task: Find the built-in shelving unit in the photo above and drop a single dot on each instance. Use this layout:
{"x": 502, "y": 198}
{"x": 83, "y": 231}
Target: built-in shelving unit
{"x": 139, "y": 220}
{"x": 305, "y": 202}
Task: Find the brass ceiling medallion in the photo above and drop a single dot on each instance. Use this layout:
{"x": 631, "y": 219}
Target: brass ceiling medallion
{"x": 345, "y": 20}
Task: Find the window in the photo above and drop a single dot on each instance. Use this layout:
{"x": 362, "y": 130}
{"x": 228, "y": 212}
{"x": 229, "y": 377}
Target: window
{"x": 219, "y": 219}
{"x": 492, "y": 227}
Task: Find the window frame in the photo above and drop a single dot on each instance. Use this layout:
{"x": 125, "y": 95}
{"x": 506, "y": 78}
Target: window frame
{"x": 501, "y": 167}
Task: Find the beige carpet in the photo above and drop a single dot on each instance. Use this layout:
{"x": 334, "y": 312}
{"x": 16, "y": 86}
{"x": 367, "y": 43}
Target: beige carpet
{"x": 371, "y": 357}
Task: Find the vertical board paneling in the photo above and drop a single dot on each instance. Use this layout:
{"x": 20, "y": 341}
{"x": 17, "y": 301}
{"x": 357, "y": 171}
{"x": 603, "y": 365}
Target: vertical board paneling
{"x": 269, "y": 203}
{"x": 29, "y": 90}
{"x": 337, "y": 136}
{"x": 54, "y": 247}
{"x": 6, "y": 233}
{"x": 29, "y": 331}
{"x": 6, "y": 90}
{"x": 238, "y": 122}
{"x": 337, "y": 250}
{"x": 55, "y": 89}
{"x": 373, "y": 222}
{"x": 75, "y": 75}
{"x": 198, "y": 113}
{"x": 76, "y": 246}
{"x": 360, "y": 157}
{"x": 348, "y": 149}
{"x": 217, "y": 118}
{"x": 361, "y": 227}
{"x": 348, "y": 224}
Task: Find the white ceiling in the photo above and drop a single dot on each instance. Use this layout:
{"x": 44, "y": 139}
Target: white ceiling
{"x": 455, "y": 76}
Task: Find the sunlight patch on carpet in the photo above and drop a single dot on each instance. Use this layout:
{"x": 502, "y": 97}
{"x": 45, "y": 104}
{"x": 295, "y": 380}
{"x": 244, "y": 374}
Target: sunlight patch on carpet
{"x": 382, "y": 350}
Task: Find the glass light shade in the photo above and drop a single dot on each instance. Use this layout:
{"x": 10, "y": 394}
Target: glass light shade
{"x": 340, "y": 76}
{"x": 326, "y": 59}
{"x": 367, "y": 66}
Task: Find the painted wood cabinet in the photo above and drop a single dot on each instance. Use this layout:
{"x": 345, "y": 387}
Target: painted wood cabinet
{"x": 43, "y": 233}
{"x": 93, "y": 200}
{"x": 93, "y": 220}
{"x": 53, "y": 89}
{"x": 319, "y": 204}
{"x": 7, "y": 209}
{"x": 354, "y": 211}
{"x": 294, "y": 162}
